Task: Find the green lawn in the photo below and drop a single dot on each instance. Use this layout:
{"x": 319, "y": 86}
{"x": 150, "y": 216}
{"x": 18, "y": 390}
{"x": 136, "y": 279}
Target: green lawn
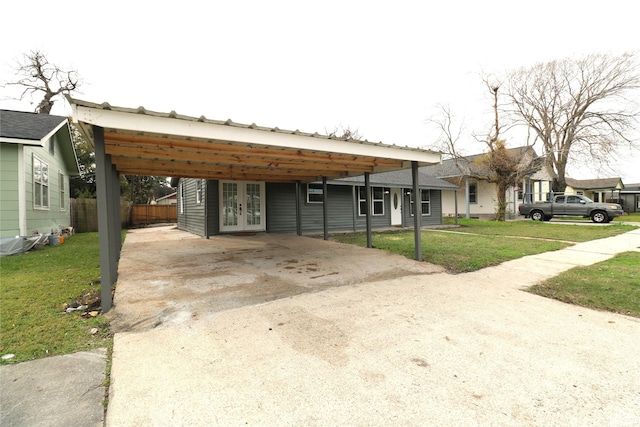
{"x": 476, "y": 244}
{"x": 612, "y": 285}
{"x": 34, "y": 290}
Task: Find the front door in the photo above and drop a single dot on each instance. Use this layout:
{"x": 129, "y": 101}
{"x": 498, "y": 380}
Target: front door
{"x": 396, "y": 206}
{"x": 242, "y": 206}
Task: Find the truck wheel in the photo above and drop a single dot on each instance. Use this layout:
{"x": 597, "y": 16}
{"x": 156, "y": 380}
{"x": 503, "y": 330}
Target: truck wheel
{"x": 599, "y": 217}
{"x": 537, "y": 215}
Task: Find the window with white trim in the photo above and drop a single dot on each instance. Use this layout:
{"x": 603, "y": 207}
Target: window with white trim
{"x": 198, "y": 191}
{"x": 181, "y": 188}
{"x": 425, "y": 202}
{"x": 63, "y": 194}
{"x": 40, "y": 184}
{"x": 315, "y": 193}
{"x": 473, "y": 193}
{"x": 377, "y": 201}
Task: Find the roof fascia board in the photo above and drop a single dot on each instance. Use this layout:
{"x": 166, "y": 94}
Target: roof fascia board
{"x": 34, "y": 142}
{"x": 192, "y": 129}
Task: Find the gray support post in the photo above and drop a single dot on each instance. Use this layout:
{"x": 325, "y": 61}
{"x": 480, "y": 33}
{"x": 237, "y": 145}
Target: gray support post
{"x": 325, "y": 212}
{"x": 105, "y": 235}
{"x": 113, "y": 218}
{"x": 467, "y": 200}
{"x": 367, "y": 198}
{"x": 417, "y": 210}
{"x": 455, "y": 203}
{"x": 117, "y": 217}
{"x": 298, "y": 210}
{"x": 354, "y": 197}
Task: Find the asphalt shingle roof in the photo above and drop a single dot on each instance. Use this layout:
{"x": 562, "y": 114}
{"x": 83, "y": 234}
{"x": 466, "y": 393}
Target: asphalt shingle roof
{"x": 27, "y": 126}
{"x": 593, "y": 184}
{"x": 401, "y": 178}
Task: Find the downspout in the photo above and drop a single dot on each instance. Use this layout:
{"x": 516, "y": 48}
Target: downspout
{"x": 22, "y": 198}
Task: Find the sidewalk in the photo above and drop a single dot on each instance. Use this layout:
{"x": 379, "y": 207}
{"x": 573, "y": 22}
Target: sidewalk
{"x": 54, "y": 391}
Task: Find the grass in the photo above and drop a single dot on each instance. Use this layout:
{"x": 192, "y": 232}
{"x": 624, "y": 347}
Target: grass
{"x": 457, "y": 250}
{"x": 631, "y": 217}
{"x": 612, "y": 285}
{"x": 34, "y": 290}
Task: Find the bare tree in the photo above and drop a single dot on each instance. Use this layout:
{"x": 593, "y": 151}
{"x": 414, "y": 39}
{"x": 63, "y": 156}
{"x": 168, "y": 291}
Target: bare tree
{"x": 344, "y": 132}
{"x": 503, "y": 166}
{"x": 498, "y": 165}
{"x": 37, "y": 75}
{"x": 581, "y": 110}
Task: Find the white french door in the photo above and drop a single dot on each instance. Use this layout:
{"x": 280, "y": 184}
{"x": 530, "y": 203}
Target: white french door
{"x": 242, "y": 206}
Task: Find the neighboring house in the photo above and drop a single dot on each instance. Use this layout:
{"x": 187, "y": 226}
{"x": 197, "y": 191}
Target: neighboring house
{"x": 169, "y": 199}
{"x": 209, "y": 207}
{"x": 630, "y": 197}
{"x": 598, "y": 190}
{"x": 477, "y": 195}
{"x": 37, "y": 157}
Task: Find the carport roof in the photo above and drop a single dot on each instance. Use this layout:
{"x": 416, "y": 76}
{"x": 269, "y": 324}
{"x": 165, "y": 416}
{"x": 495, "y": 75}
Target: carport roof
{"x": 143, "y": 142}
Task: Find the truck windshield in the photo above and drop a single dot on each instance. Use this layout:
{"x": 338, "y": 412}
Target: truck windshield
{"x": 586, "y": 199}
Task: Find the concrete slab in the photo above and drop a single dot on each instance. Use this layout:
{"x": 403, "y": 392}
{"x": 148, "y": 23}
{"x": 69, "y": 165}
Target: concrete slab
{"x": 166, "y": 274}
{"x": 421, "y": 348}
{"x": 54, "y": 391}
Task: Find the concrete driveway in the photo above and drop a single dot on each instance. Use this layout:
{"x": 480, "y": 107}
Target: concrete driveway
{"x": 419, "y": 347}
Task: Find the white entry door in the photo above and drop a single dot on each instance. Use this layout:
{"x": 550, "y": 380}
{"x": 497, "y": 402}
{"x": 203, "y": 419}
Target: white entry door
{"x": 242, "y": 206}
{"x": 396, "y": 206}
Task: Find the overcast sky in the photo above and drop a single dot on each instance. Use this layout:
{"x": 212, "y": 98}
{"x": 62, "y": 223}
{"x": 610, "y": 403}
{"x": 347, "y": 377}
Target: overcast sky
{"x": 376, "y": 67}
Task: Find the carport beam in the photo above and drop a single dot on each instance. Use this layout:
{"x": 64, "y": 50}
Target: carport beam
{"x": 417, "y": 211}
{"x": 104, "y": 192}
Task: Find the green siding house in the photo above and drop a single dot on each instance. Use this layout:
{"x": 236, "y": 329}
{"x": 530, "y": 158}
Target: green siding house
{"x": 37, "y": 157}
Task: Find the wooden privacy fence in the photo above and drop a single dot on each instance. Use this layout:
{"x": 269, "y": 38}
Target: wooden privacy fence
{"x": 84, "y": 215}
{"x": 151, "y": 214}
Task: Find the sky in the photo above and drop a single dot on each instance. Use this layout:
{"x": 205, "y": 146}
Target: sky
{"x": 380, "y": 68}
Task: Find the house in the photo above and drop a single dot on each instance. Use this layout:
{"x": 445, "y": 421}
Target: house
{"x": 169, "y": 199}
{"x": 630, "y": 197}
{"x": 477, "y": 194}
{"x": 598, "y": 190}
{"x": 210, "y": 207}
{"x": 37, "y": 157}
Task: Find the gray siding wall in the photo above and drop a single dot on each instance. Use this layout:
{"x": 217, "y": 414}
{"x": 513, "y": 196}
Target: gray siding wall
{"x": 192, "y": 218}
{"x": 281, "y": 210}
{"x": 434, "y": 218}
{"x": 212, "y": 199}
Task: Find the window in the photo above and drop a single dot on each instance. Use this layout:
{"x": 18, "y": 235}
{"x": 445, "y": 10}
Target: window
{"x": 40, "y": 184}
{"x": 315, "y": 193}
{"x": 377, "y": 201}
{"x": 425, "y": 202}
{"x": 573, "y": 199}
{"x": 473, "y": 193}
{"x": 198, "y": 191}
{"x": 181, "y": 192}
{"x": 63, "y": 200}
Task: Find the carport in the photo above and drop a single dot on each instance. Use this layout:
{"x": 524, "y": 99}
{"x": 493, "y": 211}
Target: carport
{"x": 142, "y": 142}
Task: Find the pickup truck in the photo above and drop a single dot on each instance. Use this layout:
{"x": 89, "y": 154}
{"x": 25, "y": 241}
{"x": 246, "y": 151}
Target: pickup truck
{"x": 571, "y": 206}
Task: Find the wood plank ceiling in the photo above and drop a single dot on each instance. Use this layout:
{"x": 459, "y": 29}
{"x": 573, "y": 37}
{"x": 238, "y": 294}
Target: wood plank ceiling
{"x": 175, "y": 157}
{"x": 141, "y": 142}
